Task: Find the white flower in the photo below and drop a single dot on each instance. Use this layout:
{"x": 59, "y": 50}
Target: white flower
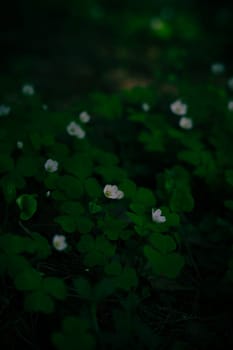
{"x": 19, "y": 144}
{"x": 28, "y": 90}
{"x": 84, "y": 117}
{"x": 51, "y": 165}
{"x": 59, "y": 242}
{"x": 4, "y": 110}
{"x": 120, "y": 194}
{"x": 217, "y": 68}
{"x": 48, "y": 193}
{"x": 145, "y": 107}
{"x": 230, "y": 106}
{"x": 230, "y": 83}
{"x": 186, "y": 123}
{"x": 179, "y": 108}
{"x": 75, "y": 129}
{"x": 157, "y": 217}
{"x": 112, "y": 191}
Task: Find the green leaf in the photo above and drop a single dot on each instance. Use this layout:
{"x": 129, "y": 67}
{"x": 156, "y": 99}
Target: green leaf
{"x": 95, "y": 258}
{"x": 28, "y": 165}
{"x": 13, "y": 244}
{"x": 93, "y": 188}
{"x": 42, "y": 246}
{"x": 29, "y": 279}
{"x": 106, "y": 106}
{"x": 169, "y": 265}
{"x": 111, "y": 173}
{"x": 104, "y": 158}
{"x": 153, "y": 141}
{"x": 8, "y": 188}
{"x": 111, "y": 227}
{"x": 84, "y": 224}
{"x": 104, "y": 289}
{"x": 94, "y": 208}
{"x": 127, "y": 279}
{"x": 72, "y": 208}
{"x": 70, "y": 186}
{"x": 114, "y": 268}
{"x": 104, "y": 246}
{"x": 97, "y": 251}
{"x": 6, "y": 163}
{"x": 79, "y": 165}
{"x": 181, "y": 199}
{"x": 28, "y": 206}
{"x": 74, "y": 325}
{"x": 86, "y": 243}
{"x": 228, "y": 204}
{"x": 67, "y": 223}
{"x": 55, "y": 287}
{"x": 145, "y": 197}
{"x": 35, "y": 140}
{"x": 16, "y": 265}
{"x": 129, "y": 188}
{"x": 163, "y": 243}
{"x": 83, "y": 288}
{"x": 39, "y": 302}
{"x": 229, "y": 176}
{"x": 74, "y": 331}
{"x": 51, "y": 180}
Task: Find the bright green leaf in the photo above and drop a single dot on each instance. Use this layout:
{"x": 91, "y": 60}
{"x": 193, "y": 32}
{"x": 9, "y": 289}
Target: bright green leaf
{"x": 28, "y": 206}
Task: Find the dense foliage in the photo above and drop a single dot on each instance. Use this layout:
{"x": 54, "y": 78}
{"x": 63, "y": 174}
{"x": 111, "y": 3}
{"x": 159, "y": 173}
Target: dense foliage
{"x": 116, "y": 198}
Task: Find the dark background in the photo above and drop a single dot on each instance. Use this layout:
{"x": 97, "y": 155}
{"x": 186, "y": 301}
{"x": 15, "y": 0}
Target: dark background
{"x": 73, "y": 47}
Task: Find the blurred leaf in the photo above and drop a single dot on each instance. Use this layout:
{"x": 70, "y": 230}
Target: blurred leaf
{"x": 55, "y": 287}
{"x": 6, "y": 163}
{"x": 39, "y": 302}
{"x": 111, "y": 173}
{"x": 29, "y": 279}
{"x": 83, "y": 288}
{"x": 127, "y": 278}
{"x": 113, "y": 268}
{"x": 86, "y": 243}
{"x": 181, "y": 199}
{"x": 8, "y": 188}
{"x": 28, "y": 166}
{"x": 17, "y": 264}
{"x": 42, "y": 246}
{"x": 79, "y": 165}
{"x": 74, "y": 331}
{"x": 104, "y": 289}
{"x": 13, "y": 244}
{"x": 228, "y": 204}
{"x": 106, "y": 106}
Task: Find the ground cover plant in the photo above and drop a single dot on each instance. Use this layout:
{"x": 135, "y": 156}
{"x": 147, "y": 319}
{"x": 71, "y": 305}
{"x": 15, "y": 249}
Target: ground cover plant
{"x": 116, "y": 203}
